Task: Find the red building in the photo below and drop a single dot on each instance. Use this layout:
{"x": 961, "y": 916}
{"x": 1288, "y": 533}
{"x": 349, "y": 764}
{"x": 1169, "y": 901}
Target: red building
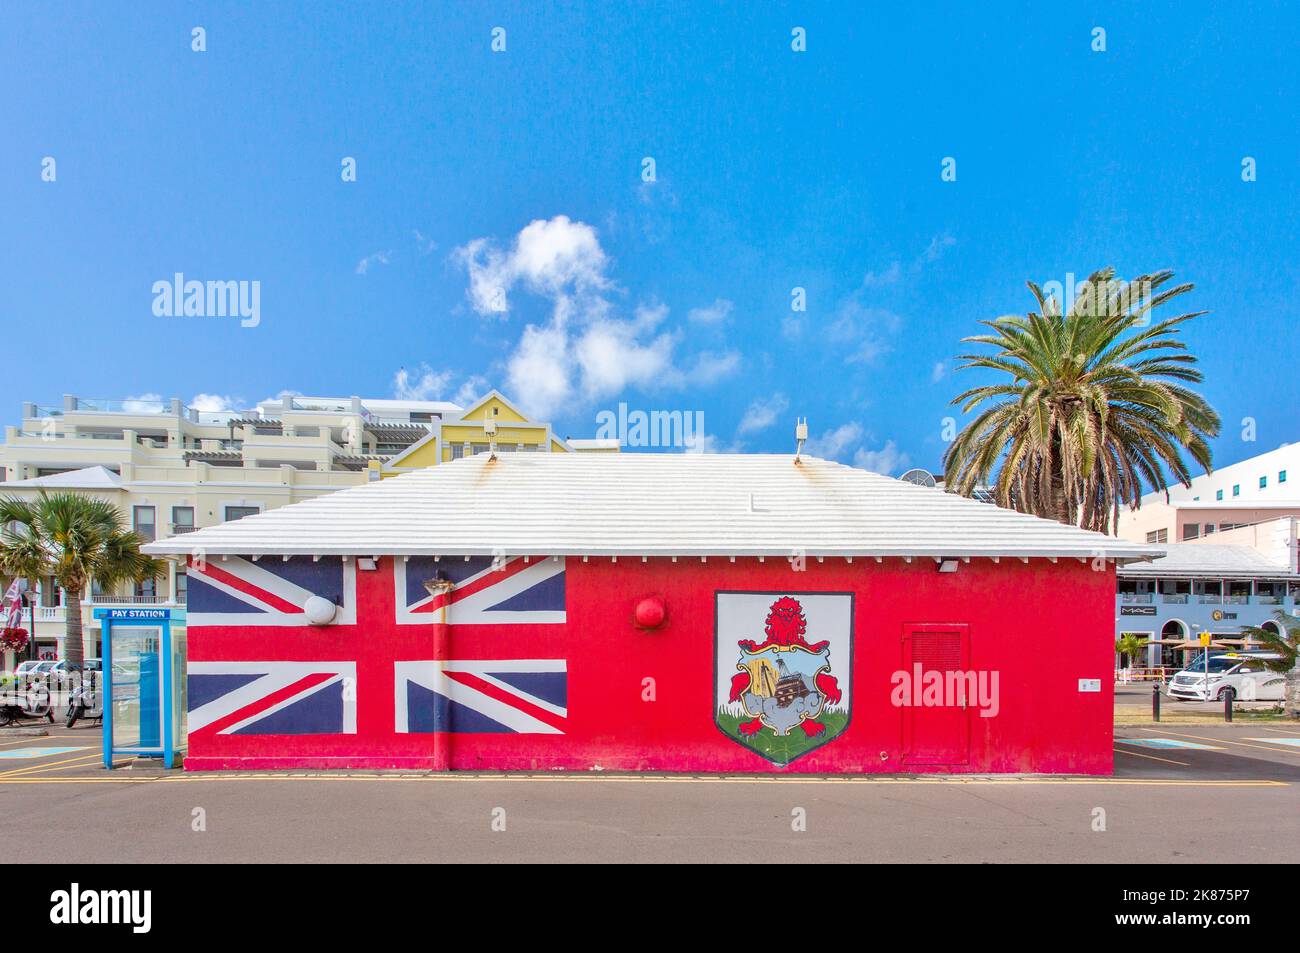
{"x": 656, "y": 612}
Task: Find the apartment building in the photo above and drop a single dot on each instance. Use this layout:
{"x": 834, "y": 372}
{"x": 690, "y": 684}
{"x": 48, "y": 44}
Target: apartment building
{"x": 172, "y": 469}
{"x": 1241, "y": 494}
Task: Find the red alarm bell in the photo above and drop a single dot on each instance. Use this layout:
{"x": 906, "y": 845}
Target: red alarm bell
{"x": 650, "y": 612}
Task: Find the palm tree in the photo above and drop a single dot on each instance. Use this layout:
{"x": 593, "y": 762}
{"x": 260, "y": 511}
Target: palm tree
{"x": 1096, "y": 404}
{"x": 1286, "y": 643}
{"x": 1131, "y": 647}
{"x": 77, "y": 540}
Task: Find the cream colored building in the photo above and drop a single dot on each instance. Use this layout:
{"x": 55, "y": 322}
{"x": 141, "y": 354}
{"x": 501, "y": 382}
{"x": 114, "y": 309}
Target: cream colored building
{"x": 172, "y": 469}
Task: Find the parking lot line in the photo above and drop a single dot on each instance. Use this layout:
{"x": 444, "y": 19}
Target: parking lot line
{"x": 1151, "y": 757}
{"x": 1294, "y": 742}
{"x": 1240, "y": 744}
{"x": 37, "y": 751}
{"x": 83, "y": 759}
{"x": 1168, "y": 743}
{"x": 22, "y": 741}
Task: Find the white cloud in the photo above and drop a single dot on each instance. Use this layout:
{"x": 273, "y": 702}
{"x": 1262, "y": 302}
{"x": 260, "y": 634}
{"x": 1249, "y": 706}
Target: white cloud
{"x": 762, "y": 414}
{"x": 712, "y": 314}
{"x": 712, "y": 366}
{"x": 558, "y": 258}
{"x": 611, "y": 356}
{"x": 863, "y": 333}
{"x": 889, "y": 276}
{"x": 142, "y": 403}
{"x": 886, "y": 460}
{"x": 424, "y": 243}
{"x": 936, "y": 247}
{"x": 539, "y": 371}
{"x": 846, "y": 442}
{"x": 378, "y": 258}
{"x": 472, "y": 388}
{"x": 833, "y": 444}
{"x": 214, "y": 403}
{"x": 423, "y": 384}
{"x": 584, "y": 351}
{"x": 938, "y": 372}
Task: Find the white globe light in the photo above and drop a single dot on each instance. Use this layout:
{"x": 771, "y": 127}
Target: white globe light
{"x": 320, "y": 611}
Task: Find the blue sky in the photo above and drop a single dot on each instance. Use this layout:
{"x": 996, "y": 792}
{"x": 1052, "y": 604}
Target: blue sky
{"x": 774, "y": 170}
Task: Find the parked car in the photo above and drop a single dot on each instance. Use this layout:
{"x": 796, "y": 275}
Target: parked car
{"x": 1232, "y": 675}
{"x": 31, "y": 667}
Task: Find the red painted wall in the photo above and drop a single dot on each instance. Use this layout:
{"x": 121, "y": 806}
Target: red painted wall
{"x": 1041, "y": 626}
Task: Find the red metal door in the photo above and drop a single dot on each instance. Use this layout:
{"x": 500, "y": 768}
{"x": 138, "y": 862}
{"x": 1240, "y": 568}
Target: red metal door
{"x": 936, "y": 733}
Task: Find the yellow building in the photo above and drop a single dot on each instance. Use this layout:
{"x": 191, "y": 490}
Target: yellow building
{"x": 492, "y": 419}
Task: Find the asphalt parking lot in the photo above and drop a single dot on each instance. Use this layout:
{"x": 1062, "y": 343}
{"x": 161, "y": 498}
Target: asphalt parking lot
{"x": 1179, "y": 794}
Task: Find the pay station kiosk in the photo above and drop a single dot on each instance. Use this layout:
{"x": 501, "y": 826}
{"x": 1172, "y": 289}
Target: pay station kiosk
{"x": 144, "y": 683}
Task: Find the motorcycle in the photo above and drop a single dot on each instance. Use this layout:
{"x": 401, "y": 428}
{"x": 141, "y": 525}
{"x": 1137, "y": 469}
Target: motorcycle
{"x": 31, "y": 700}
{"x": 84, "y": 703}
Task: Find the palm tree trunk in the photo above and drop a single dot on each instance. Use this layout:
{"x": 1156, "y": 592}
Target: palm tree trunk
{"x": 1291, "y": 704}
{"x": 73, "y": 650}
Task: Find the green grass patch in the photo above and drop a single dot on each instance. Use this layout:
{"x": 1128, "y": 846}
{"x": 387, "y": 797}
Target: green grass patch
{"x": 786, "y": 749}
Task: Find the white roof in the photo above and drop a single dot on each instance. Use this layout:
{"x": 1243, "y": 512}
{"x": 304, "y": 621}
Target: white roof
{"x": 681, "y": 504}
{"x": 1210, "y": 559}
{"x": 594, "y": 443}
{"x": 87, "y": 478}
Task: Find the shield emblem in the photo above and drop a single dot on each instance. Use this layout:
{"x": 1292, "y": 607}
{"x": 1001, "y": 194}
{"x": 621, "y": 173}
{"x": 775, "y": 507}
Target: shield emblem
{"x": 783, "y": 670}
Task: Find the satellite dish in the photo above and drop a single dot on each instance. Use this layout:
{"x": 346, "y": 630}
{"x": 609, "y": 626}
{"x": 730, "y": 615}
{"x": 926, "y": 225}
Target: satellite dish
{"x": 919, "y": 477}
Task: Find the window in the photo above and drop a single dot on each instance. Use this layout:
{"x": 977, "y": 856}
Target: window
{"x": 182, "y": 519}
{"x": 1218, "y": 494}
{"x": 1209, "y": 528}
{"x": 239, "y": 512}
{"x": 1263, "y": 482}
{"x": 1281, "y": 476}
{"x": 1236, "y": 489}
{"x": 143, "y": 522}
{"x": 1158, "y": 536}
{"x": 457, "y": 451}
{"x": 1191, "y": 530}
{"x": 144, "y": 589}
{"x": 182, "y": 587}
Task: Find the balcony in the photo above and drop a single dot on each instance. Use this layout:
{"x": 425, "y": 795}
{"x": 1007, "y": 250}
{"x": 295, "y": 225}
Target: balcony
{"x": 1132, "y": 598}
{"x": 105, "y": 599}
{"x": 1174, "y": 598}
{"x": 1209, "y": 598}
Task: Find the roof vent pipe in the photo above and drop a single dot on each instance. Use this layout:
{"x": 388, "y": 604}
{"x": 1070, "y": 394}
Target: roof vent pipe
{"x": 800, "y": 436}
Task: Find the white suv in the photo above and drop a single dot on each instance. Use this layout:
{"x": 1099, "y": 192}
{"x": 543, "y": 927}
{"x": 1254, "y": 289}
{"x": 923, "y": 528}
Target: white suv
{"x": 1231, "y": 675}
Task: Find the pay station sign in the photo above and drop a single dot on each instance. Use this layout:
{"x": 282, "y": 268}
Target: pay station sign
{"x": 133, "y": 615}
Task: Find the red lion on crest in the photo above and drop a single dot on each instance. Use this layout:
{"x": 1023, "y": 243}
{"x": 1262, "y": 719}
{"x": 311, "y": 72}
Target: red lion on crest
{"x": 785, "y": 626}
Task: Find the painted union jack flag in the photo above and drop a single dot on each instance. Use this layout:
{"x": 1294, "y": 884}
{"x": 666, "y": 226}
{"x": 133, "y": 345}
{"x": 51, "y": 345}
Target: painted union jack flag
{"x": 272, "y": 698}
{"x": 519, "y": 696}
{"x": 510, "y": 591}
{"x": 233, "y": 591}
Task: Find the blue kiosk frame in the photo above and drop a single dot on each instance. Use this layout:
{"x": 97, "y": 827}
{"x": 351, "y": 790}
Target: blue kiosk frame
{"x": 161, "y": 620}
